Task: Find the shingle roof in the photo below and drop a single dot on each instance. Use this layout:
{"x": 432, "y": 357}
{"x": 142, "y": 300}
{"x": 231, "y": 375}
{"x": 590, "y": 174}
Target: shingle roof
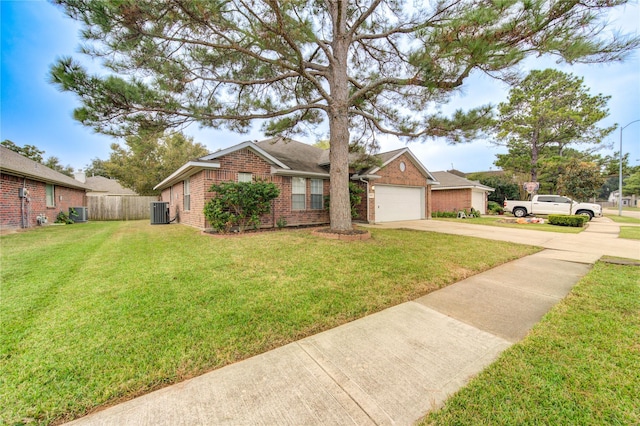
{"x": 106, "y": 185}
{"x": 287, "y": 156}
{"x": 297, "y": 155}
{"x": 15, "y": 164}
{"x": 451, "y": 181}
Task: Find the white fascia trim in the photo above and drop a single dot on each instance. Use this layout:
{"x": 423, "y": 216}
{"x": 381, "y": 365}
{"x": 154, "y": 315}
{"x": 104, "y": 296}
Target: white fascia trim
{"x": 185, "y": 171}
{"x": 414, "y": 160}
{"x": 481, "y": 188}
{"x": 298, "y": 173}
{"x": 255, "y": 148}
{"x": 367, "y": 176}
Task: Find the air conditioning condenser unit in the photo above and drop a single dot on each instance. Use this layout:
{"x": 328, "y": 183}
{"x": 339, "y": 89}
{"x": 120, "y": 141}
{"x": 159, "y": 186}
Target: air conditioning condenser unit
{"x": 79, "y": 214}
{"x": 159, "y": 213}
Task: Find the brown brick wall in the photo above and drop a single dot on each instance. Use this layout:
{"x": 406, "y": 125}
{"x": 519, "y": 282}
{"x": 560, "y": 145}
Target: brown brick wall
{"x": 392, "y": 175}
{"x": 36, "y": 203}
{"x": 243, "y": 161}
{"x": 448, "y": 200}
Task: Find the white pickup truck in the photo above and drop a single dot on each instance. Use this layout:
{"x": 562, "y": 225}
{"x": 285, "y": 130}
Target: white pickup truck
{"x": 551, "y": 204}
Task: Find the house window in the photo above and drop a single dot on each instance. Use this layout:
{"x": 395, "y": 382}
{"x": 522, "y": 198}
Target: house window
{"x": 316, "y": 194}
{"x": 245, "y": 177}
{"x": 187, "y": 195}
{"x": 51, "y": 200}
{"x": 298, "y": 193}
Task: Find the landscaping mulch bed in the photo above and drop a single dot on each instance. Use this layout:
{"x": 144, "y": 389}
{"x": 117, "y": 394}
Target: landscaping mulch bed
{"x": 324, "y": 232}
{"x": 351, "y": 235}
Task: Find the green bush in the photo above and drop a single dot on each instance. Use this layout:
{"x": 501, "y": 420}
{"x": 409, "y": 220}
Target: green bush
{"x": 473, "y": 213}
{"x": 239, "y": 204}
{"x": 494, "y": 208}
{"x": 444, "y": 214}
{"x": 64, "y": 218}
{"x": 564, "y": 220}
{"x": 281, "y": 222}
{"x": 355, "y": 198}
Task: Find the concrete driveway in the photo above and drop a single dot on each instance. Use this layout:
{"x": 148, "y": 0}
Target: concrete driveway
{"x": 598, "y": 239}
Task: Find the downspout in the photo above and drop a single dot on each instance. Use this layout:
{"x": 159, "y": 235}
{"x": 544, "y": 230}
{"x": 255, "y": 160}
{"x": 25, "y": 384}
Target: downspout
{"x": 366, "y": 182}
{"x": 24, "y": 217}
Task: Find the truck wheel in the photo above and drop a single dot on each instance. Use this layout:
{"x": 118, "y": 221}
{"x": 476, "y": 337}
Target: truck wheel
{"x": 519, "y": 212}
{"x": 585, "y": 213}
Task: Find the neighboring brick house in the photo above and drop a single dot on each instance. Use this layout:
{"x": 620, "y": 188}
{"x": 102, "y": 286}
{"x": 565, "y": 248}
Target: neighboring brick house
{"x": 456, "y": 193}
{"x": 398, "y": 189}
{"x": 30, "y": 191}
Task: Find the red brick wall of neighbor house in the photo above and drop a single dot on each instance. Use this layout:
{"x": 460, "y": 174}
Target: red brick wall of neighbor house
{"x": 243, "y": 161}
{"x": 11, "y": 203}
{"x": 449, "y": 200}
{"x": 392, "y": 175}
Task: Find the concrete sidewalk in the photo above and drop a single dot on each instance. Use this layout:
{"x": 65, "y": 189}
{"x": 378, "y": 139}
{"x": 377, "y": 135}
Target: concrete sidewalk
{"x": 387, "y": 368}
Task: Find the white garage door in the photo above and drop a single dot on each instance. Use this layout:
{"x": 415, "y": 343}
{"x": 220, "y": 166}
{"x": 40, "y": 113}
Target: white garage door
{"x": 399, "y": 203}
{"x": 477, "y": 201}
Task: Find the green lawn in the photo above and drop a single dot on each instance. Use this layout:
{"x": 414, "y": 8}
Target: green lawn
{"x": 630, "y": 232}
{"x": 579, "y": 366}
{"x": 622, "y": 219}
{"x": 498, "y": 221}
{"x": 101, "y": 312}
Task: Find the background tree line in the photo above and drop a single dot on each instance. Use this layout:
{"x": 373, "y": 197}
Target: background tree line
{"x": 546, "y": 114}
{"x": 140, "y": 164}
{"x": 32, "y": 152}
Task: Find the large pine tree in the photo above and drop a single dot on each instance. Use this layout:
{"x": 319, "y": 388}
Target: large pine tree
{"x": 546, "y": 112}
{"x": 366, "y": 67}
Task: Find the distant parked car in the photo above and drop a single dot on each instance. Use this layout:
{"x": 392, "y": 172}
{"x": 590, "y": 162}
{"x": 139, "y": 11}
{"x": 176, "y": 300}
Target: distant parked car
{"x": 551, "y": 204}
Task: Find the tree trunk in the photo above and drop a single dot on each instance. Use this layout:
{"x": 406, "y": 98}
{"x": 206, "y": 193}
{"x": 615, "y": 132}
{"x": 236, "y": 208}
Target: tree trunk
{"x": 534, "y": 157}
{"x": 339, "y": 204}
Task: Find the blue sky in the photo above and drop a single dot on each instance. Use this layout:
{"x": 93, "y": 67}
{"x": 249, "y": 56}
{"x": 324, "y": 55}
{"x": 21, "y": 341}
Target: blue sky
{"x": 34, "y": 33}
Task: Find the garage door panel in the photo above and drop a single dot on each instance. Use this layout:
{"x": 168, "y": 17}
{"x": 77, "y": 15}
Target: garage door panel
{"x": 477, "y": 201}
{"x": 399, "y": 203}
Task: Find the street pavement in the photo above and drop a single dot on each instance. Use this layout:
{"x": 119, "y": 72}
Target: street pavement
{"x": 395, "y": 366}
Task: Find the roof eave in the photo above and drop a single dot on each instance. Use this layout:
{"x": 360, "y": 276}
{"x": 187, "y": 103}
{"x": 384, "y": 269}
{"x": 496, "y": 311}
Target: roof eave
{"x": 365, "y": 176}
{"x": 40, "y": 178}
{"x": 483, "y": 188}
{"x": 299, "y": 173}
{"x": 187, "y": 170}
{"x": 414, "y": 160}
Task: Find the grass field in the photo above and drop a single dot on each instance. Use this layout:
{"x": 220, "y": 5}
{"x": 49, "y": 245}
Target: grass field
{"x": 579, "y": 366}
{"x": 98, "y": 313}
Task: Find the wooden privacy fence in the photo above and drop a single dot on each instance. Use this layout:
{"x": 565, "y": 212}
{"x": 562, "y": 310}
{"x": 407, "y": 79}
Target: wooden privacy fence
{"x": 120, "y": 207}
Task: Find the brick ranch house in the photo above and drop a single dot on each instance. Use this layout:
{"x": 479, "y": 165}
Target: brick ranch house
{"x": 398, "y": 189}
{"x": 456, "y": 193}
{"x": 31, "y": 191}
